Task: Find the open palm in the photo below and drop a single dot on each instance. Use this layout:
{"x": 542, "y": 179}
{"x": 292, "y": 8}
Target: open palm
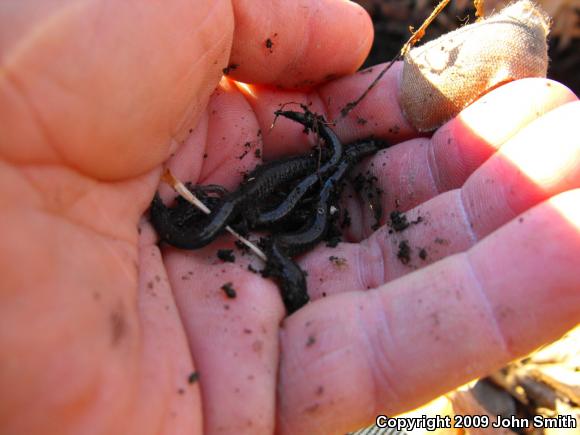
{"x": 103, "y": 332}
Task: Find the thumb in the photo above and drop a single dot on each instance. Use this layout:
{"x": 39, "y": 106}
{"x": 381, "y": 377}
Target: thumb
{"x": 106, "y": 87}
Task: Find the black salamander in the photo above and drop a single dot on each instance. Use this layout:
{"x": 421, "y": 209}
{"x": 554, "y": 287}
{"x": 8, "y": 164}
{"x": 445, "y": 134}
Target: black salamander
{"x": 259, "y": 184}
{"x": 188, "y": 237}
{"x": 183, "y": 213}
{"x": 288, "y": 275}
{"x": 318, "y": 125}
{"x": 282, "y": 247}
{"x": 263, "y": 182}
{"x": 314, "y": 230}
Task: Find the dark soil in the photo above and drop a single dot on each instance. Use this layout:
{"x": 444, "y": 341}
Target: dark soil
{"x": 366, "y": 186}
{"x": 226, "y": 255}
{"x": 337, "y": 261}
{"x": 229, "y": 290}
{"x": 404, "y": 253}
{"x": 399, "y": 221}
{"x": 193, "y": 378}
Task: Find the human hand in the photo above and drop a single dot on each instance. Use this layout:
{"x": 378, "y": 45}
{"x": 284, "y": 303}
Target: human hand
{"x": 98, "y": 330}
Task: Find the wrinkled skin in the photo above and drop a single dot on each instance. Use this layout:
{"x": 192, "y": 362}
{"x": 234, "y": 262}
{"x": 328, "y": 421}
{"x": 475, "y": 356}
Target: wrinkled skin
{"x": 100, "y": 329}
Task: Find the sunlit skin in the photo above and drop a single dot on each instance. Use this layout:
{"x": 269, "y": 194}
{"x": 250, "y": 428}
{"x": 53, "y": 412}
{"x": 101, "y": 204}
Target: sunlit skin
{"x": 100, "y": 329}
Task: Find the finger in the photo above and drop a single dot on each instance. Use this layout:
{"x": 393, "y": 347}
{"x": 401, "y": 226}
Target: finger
{"x": 285, "y": 136}
{"x": 233, "y": 337}
{"x": 169, "y": 379}
{"x": 379, "y": 114}
{"x": 130, "y": 80}
{"x": 416, "y": 171}
{"x": 300, "y": 43}
{"x": 224, "y": 146}
{"x": 540, "y": 161}
{"x": 348, "y": 358}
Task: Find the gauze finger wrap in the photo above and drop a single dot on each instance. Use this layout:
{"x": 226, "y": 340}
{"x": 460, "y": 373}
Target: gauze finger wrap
{"x": 443, "y": 76}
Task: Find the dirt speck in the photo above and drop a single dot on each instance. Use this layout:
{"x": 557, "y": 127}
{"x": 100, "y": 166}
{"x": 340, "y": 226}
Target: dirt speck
{"x": 229, "y": 290}
{"x": 226, "y": 255}
{"x": 398, "y": 221}
{"x": 257, "y": 346}
{"x": 312, "y": 408}
{"x": 395, "y": 129}
{"x": 404, "y": 252}
{"x": 231, "y": 67}
{"x": 503, "y": 312}
{"x": 338, "y": 261}
{"x": 193, "y": 378}
{"x": 118, "y": 323}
